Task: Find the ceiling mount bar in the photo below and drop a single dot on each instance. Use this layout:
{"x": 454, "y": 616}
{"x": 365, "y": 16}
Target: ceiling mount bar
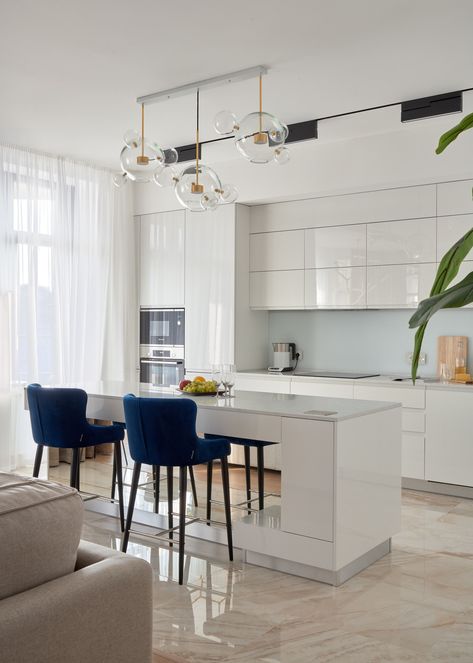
{"x": 224, "y": 79}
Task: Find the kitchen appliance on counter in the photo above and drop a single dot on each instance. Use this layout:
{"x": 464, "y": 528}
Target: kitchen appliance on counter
{"x": 161, "y": 347}
{"x": 284, "y": 356}
{"x": 337, "y": 374}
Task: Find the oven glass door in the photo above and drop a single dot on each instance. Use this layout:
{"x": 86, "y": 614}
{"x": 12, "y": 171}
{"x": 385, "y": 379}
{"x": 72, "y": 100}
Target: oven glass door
{"x": 162, "y": 327}
{"x": 161, "y": 373}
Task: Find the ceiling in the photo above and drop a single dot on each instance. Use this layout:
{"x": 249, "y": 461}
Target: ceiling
{"x": 70, "y": 70}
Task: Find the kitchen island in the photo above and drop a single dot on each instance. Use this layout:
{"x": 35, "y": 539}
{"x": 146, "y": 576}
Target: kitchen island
{"x": 340, "y": 476}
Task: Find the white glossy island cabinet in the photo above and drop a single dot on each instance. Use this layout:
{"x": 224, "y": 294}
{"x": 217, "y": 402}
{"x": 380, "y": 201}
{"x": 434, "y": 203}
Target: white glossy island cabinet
{"x": 340, "y": 477}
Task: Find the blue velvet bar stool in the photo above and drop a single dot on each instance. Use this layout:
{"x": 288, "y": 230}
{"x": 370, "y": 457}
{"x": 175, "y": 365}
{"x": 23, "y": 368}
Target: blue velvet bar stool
{"x": 161, "y": 432}
{"x": 58, "y": 419}
{"x": 246, "y": 444}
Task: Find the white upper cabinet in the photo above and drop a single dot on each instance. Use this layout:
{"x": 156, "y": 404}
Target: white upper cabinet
{"x": 277, "y": 290}
{"x": 449, "y": 230}
{"x": 339, "y": 246}
{"x": 399, "y": 286}
{"x": 402, "y": 242}
{"x": 454, "y": 198}
{"x": 388, "y": 204}
{"x": 210, "y": 288}
{"x": 162, "y": 241}
{"x": 277, "y": 251}
{"x": 335, "y": 288}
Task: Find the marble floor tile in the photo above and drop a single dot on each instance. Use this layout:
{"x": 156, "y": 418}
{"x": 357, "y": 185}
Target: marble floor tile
{"x": 413, "y": 605}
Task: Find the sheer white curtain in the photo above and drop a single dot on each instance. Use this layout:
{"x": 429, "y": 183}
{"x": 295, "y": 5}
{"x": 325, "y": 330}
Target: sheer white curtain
{"x": 67, "y": 283}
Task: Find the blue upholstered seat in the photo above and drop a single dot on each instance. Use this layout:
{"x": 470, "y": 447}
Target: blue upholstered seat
{"x": 161, "y": 431}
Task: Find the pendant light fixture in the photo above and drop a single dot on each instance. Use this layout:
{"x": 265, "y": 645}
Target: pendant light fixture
{"x": 259, "y": 136}
{"x": 142, "y": 160}
{"x": 198, "y": 187}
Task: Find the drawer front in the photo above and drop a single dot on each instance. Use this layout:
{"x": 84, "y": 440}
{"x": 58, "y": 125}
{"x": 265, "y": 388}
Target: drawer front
{"x": 413, "y": 421}
{"x": 237, "y": 424}
{"x": 412, "y": 458}
{"x": 408, "y": 397}
{"x": 328, "y": 389}
{"x": 270, "y": 385}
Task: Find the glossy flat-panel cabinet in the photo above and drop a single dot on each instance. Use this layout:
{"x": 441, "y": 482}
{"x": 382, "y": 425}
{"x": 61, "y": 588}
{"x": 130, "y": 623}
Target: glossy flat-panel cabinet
{"x": 326, "y": 389}
{"x": 335, "y": 288}
{"x": 210, "y": 288}
{"x": 449, "y": 447}
{"x": 449, "y": 230}
{"x": 399, "y": 286}
{"x": 454, "y": 197}
{"x": 162, "y": 241}
{"x": 277, "y": 251}
{"x": 340, "y": 246}
{"x": 277, "y": 290}
{"x": 400, "y": 242}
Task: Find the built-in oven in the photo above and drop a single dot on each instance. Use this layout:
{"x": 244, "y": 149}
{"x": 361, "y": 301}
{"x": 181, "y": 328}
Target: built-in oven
{"x": 161, "y": 366}
{"x": 162, "y": 326}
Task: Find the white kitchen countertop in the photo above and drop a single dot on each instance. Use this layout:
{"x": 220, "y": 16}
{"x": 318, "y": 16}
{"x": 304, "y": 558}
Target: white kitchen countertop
{"x": 253, "y": 402}
{"x": 381, "y": 380}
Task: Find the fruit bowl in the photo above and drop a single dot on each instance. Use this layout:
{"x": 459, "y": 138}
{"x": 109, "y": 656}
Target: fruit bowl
{"x": 197, "y": 393}
{"x": 199, "y": 386}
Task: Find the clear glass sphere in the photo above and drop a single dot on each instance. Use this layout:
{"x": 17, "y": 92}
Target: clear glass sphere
{"x": 188, "y": 193}
{"x": 153, "y": 161}
{"x": 209, "y": 201}
{"x": 281, "y": 155}
{"x": 254, "y": 137}
{"x": 119, "y": 179}
{"x": 170, "y": 155}
{"x": 224, "y": 122}
{"x": 166, "y": 177}
{"x": 132, "y": 138}
{"x": 229, "y": 193}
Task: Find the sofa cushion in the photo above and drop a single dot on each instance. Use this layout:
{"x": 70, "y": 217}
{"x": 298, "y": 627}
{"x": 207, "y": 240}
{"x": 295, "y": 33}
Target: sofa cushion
{"x": 40, "y": 527}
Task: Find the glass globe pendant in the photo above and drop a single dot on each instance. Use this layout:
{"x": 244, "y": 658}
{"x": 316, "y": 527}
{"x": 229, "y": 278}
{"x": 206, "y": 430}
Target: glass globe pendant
{"x": 198, "y": 187}
{"x": 142, "y": 160}
{"x": 259, "y": 136}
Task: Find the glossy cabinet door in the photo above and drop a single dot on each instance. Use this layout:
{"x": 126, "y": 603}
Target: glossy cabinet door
{"x": 449, "y": 230}
{"x": 449, "y": 447}
{"x": 335, "y": 288}
{"x": 277, "y": 290}
{"x": 454, "y": 197}
{"x": 327, "y": 389}
{"x": 277, "y": 251}
{"x": 162, "y": 242}
{"x": 340, "y": 246}
{"x": 399, "y": 286}
{"x": 210, "y": 288}
{"x": 401, "y": 242}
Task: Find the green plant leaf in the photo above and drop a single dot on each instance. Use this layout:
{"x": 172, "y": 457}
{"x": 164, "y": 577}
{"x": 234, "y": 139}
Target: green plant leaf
{"x": 446, "y": 272}
{"x": 457, "y": 296}
{"x": 453, "y": 133}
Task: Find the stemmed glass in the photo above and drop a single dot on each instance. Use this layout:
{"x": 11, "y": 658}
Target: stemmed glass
{"x": 217, "y": 376}
{"x": 228, "y": 378}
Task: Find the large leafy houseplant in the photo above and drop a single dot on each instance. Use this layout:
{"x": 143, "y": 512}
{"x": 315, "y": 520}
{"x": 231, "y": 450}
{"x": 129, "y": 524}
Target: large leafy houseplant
{"x": 441, "y": 296}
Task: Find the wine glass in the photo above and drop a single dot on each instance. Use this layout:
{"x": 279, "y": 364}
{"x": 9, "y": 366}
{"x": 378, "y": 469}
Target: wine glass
{"x": 228, "y": 378}
{"x": 217, "y": 376}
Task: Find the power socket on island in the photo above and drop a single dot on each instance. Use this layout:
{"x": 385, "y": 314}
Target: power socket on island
{"x": 422, "y": 358}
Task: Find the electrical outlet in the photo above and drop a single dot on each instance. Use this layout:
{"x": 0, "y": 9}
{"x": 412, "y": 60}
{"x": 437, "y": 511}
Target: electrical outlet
{"x": 300, "y": 353}
{"x": 422, "y": 358}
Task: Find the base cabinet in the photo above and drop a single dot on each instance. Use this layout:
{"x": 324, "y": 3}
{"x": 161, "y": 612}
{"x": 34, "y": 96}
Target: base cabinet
{"x": 449, "y": 448}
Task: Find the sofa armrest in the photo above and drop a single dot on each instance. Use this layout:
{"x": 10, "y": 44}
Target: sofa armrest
{"x": 100, "y": 613}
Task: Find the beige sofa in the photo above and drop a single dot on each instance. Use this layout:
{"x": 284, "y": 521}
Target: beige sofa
{"x": 62, "y": 599}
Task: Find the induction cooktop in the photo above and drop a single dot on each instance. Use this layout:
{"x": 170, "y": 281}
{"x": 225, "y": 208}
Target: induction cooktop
{"x": 336, "y": 374}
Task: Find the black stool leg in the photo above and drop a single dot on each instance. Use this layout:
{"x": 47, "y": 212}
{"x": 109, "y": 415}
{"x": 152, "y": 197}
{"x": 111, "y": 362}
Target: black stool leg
{"x": 37, "y": 460}
{"x": 170, "y": 500}
{"x": 117, "y": 455}
{"x": 131, "y": 504}
{"x": 248, "y": 476}
{"x": 114, "y": 477}
{"x": 74, "y": 464}
{"x": 157, "y": 478}
{"x": 194, "y": 489}
{"x": 210, "y": 467}
{"x": 79, "y": 454}
{"x": 182, "y": 519}
{"x": 260, "y": 457}
{"x": 226, "y": 499}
